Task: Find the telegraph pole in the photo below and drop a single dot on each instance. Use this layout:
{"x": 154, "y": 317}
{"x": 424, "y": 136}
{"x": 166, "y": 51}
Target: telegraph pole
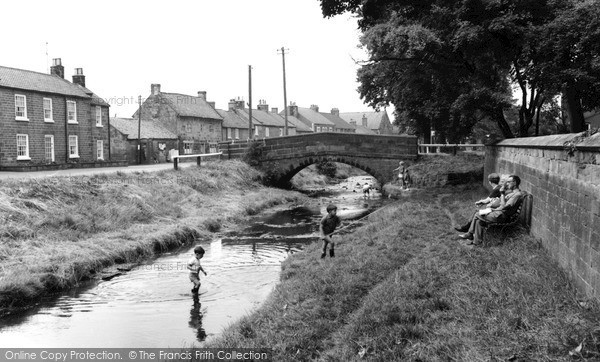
{"x": 285, "y": 113}
{"x": 140, "y": 130}
{"x": 250, "y": 134}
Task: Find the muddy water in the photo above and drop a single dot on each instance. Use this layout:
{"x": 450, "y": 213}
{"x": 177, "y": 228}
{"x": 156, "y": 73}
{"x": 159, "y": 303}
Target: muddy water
{"x": 152, "y": 305}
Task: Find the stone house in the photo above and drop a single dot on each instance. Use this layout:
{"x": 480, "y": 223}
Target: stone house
{"x": 265, "y": 123}
{"x": 340, "y": 125}
{"x": 194, "y": 120}
{"x": 312, "y": 118}
{"x": 378, "y": 122}
{"x": 48, "y": 122}
{"x": 156, "y": 142}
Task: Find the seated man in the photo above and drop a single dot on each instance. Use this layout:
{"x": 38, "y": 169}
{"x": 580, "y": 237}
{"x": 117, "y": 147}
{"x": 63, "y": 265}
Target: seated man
{"x": 492, "y": 200}
{"x": 510, "y": 196}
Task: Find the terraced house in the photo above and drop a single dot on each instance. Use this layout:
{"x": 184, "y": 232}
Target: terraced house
{"x": 47, "y": 122}
{"x": 192, "y": 118}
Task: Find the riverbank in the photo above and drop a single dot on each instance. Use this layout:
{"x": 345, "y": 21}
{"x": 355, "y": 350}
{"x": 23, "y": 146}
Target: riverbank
{"x": 404, "y": 287}
{"x": 60, "y": 231}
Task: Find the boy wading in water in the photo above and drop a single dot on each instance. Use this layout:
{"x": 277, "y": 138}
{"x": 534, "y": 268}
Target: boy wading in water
{"x": 327, "y": 227}
{"x": 195, "y": 268}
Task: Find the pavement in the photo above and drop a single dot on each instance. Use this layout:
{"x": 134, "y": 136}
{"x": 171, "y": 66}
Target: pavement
{"x": 92, "y": 171}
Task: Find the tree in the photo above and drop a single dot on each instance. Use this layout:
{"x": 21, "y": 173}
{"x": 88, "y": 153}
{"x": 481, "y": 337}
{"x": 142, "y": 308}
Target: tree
{"x": 449, "y": 64}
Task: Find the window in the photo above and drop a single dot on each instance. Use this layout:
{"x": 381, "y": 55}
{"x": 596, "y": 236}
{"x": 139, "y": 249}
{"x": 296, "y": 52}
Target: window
{"x": 187, "y": 147}
{"x": 49, "y": 148}
{"x": 256, "y": 130}
{"x": 187, "y": 128}
{"x": 237, "y": 133}
{"x": 48, "y": 110}
{"x": 318, "y": 128}
{"x": 213, "y": 147}
{"x": 211, "y": 128}
{"x": 23, "y": 147}
{"x": 73, "y": 148}
{"x": 71, "y": 112}
{"x": 98, "y": 116}
{"x": 100, "y": 149}
{"x": 21, "y": 108}
{"x": 228, "y": 133}
{"x": 281, "y": 132}
{"x": 266, "y": 131}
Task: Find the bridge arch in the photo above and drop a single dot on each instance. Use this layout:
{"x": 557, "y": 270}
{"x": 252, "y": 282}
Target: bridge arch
{"x": 282, "y": 157}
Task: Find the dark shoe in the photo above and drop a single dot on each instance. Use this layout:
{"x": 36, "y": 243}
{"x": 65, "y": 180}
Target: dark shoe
{"x": 463, "y": 228}
{"x": 323, "y": 255}
{"x": 331, "y": 253}
{"x": 467, "y": 236}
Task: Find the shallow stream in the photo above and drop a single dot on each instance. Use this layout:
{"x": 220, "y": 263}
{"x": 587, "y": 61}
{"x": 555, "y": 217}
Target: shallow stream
{"x": 152, "y": 305}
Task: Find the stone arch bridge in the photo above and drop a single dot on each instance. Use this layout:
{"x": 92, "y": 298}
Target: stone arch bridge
{"x": 284, "y": 157}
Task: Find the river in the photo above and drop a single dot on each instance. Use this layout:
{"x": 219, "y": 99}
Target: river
{"x": 152, "y": 305}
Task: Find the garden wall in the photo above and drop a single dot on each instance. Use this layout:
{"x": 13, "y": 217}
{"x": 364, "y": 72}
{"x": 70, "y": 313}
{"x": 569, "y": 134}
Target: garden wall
{"x": 562, "y": 172}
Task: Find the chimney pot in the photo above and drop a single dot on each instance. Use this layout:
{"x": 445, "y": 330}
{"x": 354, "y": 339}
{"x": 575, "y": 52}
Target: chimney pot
{"x": 155, "y": 89}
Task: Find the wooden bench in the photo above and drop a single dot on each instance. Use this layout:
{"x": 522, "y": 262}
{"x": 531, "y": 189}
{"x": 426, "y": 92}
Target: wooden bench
{"x": 197, "y": 157}
{"x": 520, "y": 218}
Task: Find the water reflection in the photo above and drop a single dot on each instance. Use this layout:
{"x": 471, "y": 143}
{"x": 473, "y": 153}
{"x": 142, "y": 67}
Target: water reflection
{"x": 196, "y": 319}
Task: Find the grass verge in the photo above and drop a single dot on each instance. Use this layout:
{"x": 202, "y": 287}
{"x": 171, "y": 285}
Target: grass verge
{"x": 59, "y": 231}
{"x": 402, "y": 287}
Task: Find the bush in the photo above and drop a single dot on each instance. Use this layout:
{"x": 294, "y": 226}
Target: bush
{"x": 327, "y": 168}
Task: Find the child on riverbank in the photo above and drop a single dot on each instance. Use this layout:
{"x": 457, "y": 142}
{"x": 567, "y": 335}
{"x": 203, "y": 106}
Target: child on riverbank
{"x": 327, "y": 227}
{"x": 195, "y": 268}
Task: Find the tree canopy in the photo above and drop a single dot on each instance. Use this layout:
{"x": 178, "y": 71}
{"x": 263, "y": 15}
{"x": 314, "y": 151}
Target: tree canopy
{"x": 448, "y": 64}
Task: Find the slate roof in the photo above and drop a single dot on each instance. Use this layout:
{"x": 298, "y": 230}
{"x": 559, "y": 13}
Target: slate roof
{"x": 373, "y": 118}
{"x": 150, "y": 129}
{"x": 314, "y": 117}
{"x": 190, "y": 106}
{"x": 338, "y": 121}
{"x": 39, "y": 82}
{"x": 364, "y": 130}
{"x": 232, "y": 119}
{"x": 300, "y": 126}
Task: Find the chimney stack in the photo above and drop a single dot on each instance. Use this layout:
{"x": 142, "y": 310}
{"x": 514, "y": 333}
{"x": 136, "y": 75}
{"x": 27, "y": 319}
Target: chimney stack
{"x": 275, "y": 110}
{"x": 231, "y": 105}
{"x": 212, "y": 104}
{"x": 335, "y": 112}
{"x": 239, "y": 104}
{"x": 57, "y": 68}
{"x": 78, "y": 77}
{"x": 364, "y": 120}
{"x": 202, "y": 95}
{"x": 314, "y": 107}
{"x": 155, "y": 89}
{"x": 293, "y": 109}
{"x": 262, "y": 106}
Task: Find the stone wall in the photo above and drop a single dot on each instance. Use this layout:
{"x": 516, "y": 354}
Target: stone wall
{"x": 562, "y": 172}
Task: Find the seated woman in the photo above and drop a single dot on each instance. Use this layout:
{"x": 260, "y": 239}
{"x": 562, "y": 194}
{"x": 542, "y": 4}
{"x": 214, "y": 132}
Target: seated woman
{"x": 510, "y": 195}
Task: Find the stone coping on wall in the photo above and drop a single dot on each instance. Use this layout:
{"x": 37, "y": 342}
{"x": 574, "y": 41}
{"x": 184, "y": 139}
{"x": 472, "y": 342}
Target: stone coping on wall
{"x": 561, "y": 141}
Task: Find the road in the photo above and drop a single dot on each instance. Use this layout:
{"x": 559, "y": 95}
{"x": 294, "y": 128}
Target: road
{"x": 91, "y": 171}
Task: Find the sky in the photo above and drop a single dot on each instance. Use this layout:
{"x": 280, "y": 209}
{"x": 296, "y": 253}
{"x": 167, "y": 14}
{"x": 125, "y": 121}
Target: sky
{"x": 190, "y": 46}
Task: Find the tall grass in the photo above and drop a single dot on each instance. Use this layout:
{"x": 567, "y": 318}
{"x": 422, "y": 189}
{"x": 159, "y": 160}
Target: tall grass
{"x": 403, "y": 288}
{"x": 60, "y": 230}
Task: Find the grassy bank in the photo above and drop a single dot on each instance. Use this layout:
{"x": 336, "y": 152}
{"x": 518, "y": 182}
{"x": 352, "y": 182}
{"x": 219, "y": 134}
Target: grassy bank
{"x": 402, "y": 287}
{"x": 58, "y": 231}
